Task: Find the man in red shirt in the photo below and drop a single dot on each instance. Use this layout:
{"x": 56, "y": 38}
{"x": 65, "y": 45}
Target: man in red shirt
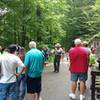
{"x": 78, "y": 56}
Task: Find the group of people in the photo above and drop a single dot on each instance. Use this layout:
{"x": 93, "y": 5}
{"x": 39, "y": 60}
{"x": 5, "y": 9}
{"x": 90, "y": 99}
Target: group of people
{"x": 21, "y": 68}
{"x": 18, "y": 67}
{"x": 58, "y": 55}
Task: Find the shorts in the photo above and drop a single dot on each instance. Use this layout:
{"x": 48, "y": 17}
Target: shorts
{"x": 9, "y": 91}
{"x": 78, "y": 76}
{"x": 33, "y": 85}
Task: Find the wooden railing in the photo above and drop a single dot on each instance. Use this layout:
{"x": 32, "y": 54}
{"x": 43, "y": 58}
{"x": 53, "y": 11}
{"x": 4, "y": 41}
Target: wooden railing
{"x": 95, "y": 84}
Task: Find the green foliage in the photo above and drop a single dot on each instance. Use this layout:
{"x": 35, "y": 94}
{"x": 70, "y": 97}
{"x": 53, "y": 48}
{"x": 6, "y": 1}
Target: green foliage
{"x": 80, "y": 19}
{"x": 48, "y": 21}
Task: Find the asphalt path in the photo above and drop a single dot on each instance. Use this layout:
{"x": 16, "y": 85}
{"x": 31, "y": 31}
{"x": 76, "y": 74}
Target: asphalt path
{"x": 56, "y": 86}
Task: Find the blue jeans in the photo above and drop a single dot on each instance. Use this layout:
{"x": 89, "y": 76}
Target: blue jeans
{"x": 22, "y": 86}
{"x": 8, "y": 91}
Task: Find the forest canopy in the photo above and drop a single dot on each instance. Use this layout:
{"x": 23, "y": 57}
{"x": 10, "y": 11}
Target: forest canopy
{"x": 48, "y": 21}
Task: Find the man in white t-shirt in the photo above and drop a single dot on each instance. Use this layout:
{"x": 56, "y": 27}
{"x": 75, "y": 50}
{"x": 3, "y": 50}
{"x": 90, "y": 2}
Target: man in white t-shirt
{"x": 8, "y": 63}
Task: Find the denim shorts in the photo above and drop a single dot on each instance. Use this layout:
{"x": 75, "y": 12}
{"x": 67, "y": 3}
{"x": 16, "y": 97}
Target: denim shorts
{"x": 78, "y": 76}
{"x": 8, "y": 91}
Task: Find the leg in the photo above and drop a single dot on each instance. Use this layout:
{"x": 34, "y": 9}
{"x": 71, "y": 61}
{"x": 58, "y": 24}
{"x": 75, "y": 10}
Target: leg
{"x": 18, "y": 83}
{"x": 34, "y": 87}
{"x": 73, "y": 89}
{"x": 82, "y": 87}
{"x": 23, "y": 89}
{"x": 74, "y": 78}
{"x": 3, "y": 91}
{"x": 32, "y": 96}
{"x": 82, "y": 90}
{"x": 55, "y": 61}
{"x": 30, "y": 88}
{"x": 39, "y": 89}
{"x": 73, "y": 86}
{"x": 38, "y": 96}
{"x": 82, "y": 79}
{"x": 58, "y": 62}
{"x": 13, "y": 91}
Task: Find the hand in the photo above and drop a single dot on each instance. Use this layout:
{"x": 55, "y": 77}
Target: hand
{"x": 17, "y": 75}
{"x": 45, "y": 63}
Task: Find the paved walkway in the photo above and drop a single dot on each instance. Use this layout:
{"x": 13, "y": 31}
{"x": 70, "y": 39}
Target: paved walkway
{"x": 56, "y": 86}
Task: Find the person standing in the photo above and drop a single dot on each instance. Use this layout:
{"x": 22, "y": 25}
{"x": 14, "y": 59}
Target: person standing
{"x": 45, "y": 52}
{"x": 85, "y": 44}
{"x": 34, "y": 61}
{"x": 79, "y": 63}
{"x": 8, "y": 64}
{"x": 57, "y": 57}
{"x": 92, "y": 59}
{"x": 22, "y": 78}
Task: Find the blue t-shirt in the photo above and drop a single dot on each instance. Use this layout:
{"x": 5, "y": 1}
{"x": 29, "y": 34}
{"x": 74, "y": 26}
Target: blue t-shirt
{"x": 34, "y": 60}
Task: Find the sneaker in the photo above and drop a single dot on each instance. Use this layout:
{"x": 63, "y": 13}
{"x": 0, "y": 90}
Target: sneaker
{"x": 82, "y": 97}
{"x": 72, "y": 96}
{"x": 40, "y": 98}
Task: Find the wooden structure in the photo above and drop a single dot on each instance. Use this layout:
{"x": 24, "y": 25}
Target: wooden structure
{"x": 95, "y": 84}
{"x": 95, "y": 74}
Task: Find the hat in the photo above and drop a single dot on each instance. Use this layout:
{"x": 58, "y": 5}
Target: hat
{"x": 85, "y": 43}
{"x": 58, "y": 45}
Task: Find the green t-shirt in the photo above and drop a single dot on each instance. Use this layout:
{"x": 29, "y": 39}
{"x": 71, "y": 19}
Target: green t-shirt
{"x": 92, "y": 59}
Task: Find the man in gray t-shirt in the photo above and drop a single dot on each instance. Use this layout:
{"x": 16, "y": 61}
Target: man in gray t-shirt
{"x": 9, "y": 63}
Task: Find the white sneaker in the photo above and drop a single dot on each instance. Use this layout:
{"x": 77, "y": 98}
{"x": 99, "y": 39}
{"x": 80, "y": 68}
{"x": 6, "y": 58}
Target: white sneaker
{"x": 40, "y": 98}
{"x": 72, "y": 96}
{"x": 82, "y": 97}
